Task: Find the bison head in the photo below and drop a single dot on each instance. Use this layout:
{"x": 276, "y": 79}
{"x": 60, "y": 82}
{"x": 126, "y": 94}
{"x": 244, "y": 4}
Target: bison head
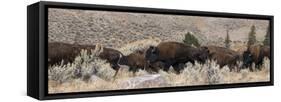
{"x": 152, "y": 54}
{"x": 203, "y": 54}
{"x": 247, "y": 58}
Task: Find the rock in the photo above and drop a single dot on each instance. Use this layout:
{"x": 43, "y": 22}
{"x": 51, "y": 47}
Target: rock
{"x": 95, "y": 78}
{"x": 146, "y": 81}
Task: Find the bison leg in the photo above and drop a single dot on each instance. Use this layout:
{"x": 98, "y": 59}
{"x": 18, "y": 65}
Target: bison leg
{"x": 167, "y": 65}
{"x": 251, "y": 68}
{"x": 192, "y": 61}
{"x": 151, "y": 69}
{"x": 116, "y": 68}
{"x": 178, "y": 67}
{"x": 155, "y": 69}
{"x": 231, "y": 68}
{"x": 134, "y": 70}
{"x": 116, "y": 72}
{"x": 259, "y": 64}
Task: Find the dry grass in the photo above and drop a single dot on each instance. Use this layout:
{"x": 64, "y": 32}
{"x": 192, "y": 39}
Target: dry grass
{"x": 206, "y": 74}
{"x": 89, "y": 73}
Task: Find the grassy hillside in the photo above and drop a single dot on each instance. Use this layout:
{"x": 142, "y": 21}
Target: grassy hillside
{"x": 114, "y": 29}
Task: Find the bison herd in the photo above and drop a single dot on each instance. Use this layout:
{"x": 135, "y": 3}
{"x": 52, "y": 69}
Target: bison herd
{"x": 162, "y": 56}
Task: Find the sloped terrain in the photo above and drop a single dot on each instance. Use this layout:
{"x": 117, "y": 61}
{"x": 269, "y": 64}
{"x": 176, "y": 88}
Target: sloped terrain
{"x": 114, "y": 29}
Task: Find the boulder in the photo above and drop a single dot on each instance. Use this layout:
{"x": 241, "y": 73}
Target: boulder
{"x": 94, "y": 78}
{"x": 145, "y": 81}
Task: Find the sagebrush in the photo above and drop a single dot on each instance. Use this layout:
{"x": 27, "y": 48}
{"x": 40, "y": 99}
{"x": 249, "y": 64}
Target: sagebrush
{"x": 90, "y": 73}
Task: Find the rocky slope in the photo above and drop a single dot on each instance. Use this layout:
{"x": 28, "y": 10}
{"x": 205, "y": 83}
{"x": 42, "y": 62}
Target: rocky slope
{"x": 114, "y": 29}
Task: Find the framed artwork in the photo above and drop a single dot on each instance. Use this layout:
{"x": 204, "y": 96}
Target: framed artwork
{"x": 85, "y": 50}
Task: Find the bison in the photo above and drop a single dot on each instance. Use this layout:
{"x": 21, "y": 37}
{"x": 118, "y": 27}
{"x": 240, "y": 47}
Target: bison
{"x": 175, "y": 54}
{"x": 61, "y": 51}
{"x": 255, "y": 54}
{"x": 136, "y": 61}
{"x": 224, "y": 56}
{"x": 58, "y": 51}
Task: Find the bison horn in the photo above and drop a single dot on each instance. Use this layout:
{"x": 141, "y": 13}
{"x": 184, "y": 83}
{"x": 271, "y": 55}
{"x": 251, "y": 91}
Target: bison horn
{"x": 153, "y": 49}
{"x": 120, "y": 56}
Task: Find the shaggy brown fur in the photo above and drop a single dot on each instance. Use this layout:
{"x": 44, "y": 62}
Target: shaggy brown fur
{"x": 176, "y": 54}
{"x": 58, "y": 51}
{"x": 61, "y": 51}
{"x": 255, "y": 54}
{"x": 224, "y": 56}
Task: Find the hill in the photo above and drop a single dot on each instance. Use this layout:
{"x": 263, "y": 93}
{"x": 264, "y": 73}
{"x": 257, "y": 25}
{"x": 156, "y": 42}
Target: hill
{"x": 114, "y": 29}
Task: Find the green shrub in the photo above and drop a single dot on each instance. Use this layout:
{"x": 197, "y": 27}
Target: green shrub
{"x": 267, "y": 38}
{"x": 227, "y": 41}
{"x": 252, "y": 36}
{"x": 191, "y": 40}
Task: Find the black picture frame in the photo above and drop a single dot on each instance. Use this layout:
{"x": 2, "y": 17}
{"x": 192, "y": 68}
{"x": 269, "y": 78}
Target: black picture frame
{"x": 37, "y": 33}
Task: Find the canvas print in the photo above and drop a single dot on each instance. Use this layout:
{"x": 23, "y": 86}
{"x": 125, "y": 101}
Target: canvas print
{"x": 90, "y": 50}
